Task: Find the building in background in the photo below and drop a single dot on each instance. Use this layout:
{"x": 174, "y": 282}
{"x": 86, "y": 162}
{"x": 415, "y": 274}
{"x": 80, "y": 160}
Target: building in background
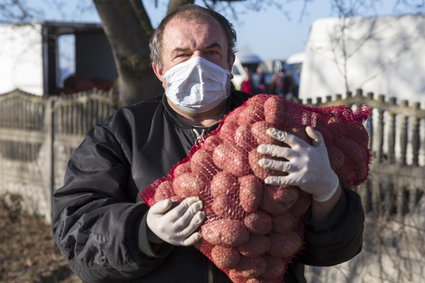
{"x": 384, "y": 55}
{"x": 39, "y": 57}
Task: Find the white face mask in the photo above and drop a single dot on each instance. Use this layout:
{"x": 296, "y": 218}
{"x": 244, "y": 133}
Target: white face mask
{"x": 197, "y": 85}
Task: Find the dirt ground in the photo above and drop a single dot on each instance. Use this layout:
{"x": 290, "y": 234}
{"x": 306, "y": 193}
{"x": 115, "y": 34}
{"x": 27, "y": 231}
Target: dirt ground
{"x": 27, "y": 250}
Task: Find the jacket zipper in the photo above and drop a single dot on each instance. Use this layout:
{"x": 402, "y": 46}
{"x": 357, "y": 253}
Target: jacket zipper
{"x": 198, "y": 135}
{"x": 210, "y": 272}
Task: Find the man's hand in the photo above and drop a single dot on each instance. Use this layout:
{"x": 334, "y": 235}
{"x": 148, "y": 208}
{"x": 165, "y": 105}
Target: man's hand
{"x": 308, "y": 165}
{"x": 176, "y": 225}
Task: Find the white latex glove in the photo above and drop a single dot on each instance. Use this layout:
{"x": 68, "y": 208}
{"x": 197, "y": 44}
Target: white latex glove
{"x": 176, "y": 225}
{"x": 308, "y": 165}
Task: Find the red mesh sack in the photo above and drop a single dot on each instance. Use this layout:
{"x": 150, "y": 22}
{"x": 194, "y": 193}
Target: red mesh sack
{"x": 253, "y": 230}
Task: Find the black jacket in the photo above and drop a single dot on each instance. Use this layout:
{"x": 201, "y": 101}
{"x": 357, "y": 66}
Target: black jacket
{"x": 99, "y": 220}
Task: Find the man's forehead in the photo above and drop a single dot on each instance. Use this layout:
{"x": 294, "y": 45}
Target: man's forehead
{"x": 181, "y": 22}
{"x": 207, "y": 25}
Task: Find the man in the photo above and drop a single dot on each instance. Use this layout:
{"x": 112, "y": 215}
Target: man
{"x": 109, "y": 235}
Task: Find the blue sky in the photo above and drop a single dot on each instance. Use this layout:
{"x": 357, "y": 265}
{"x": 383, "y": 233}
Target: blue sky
{"x": 270, "y": 33}
{"x": 273, "y": 33}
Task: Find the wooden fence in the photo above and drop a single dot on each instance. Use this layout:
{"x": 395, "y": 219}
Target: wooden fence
{"x": 397, "y": 145}
{"x": 38, "y": 134}
{"x": 394, "y": 237}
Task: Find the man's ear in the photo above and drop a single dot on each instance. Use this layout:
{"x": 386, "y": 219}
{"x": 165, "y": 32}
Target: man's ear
{"x": 231, "y": 61}
{"x": 158, "y": 71}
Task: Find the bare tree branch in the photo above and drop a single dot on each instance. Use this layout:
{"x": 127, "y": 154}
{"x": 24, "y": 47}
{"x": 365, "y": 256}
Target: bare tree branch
{"x": 58, "y": 4}
{"x": 418, "y": 5}
{"x": 17, "y": 11}
{"x": 142, "y": 16}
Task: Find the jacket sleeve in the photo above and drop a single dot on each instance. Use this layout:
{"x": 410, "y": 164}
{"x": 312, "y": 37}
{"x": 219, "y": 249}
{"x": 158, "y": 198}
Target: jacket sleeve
{"x": 95, "y": 224}
{"x": 337, "y": 239}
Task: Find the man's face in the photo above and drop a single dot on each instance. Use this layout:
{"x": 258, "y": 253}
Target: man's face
{"x": 184, "y": 39}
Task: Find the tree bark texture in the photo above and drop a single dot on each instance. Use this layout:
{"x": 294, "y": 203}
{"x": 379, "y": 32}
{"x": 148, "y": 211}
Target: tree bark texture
{"x": 174, "y": 4}
{"x": 128, "y": 29}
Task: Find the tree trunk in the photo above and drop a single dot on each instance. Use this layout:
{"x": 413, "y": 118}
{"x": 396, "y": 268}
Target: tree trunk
{"x": 174, "y": 4}
{"x": 128, "y": 29}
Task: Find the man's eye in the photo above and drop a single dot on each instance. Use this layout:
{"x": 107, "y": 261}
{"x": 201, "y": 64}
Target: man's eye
{"x": 213, "y": 52}
{"x": 182, "y": 55}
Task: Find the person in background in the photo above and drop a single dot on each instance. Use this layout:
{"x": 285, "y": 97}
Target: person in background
{"x": 260, "y": 83}
{"x": 247, "y": 84}
{"x": 108, "y": 234}
{"x": 284, "y": 85}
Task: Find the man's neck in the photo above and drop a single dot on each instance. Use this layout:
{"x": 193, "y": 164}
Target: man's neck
{"x": 206, "y": 119}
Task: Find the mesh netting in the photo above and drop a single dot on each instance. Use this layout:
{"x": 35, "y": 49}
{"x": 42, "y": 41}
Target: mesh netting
{"x": 252, "y": 230}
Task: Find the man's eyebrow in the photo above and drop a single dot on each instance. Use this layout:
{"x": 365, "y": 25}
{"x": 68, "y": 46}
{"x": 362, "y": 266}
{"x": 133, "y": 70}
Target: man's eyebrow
{"x": 214, "y": 44}
{"x": 180, "y": 49}
{"x": 183, "y": 49}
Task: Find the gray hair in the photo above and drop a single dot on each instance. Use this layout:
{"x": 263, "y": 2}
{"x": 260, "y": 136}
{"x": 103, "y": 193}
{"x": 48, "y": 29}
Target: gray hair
{"x": 190, "y": 11}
